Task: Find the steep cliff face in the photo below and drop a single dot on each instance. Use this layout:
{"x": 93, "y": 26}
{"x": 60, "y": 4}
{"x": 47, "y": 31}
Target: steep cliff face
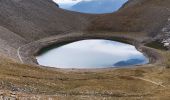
{"x": 136, "y": 16}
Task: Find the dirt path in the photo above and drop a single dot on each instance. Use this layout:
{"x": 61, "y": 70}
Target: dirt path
{"x": 150, "y": 81}
{"x": 19, "y": 56}
{"x": 26, "y": 52}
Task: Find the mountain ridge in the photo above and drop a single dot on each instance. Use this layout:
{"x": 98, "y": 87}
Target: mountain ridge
{"x": 135, "y": 16}
{"x": 98, "y": 6}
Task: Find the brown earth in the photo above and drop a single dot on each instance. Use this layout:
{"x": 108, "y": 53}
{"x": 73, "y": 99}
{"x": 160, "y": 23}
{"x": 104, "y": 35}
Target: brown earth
{"x": 148, "y": 16}
{"x": 24, "y": 21}
{"x": 28, "y": 25}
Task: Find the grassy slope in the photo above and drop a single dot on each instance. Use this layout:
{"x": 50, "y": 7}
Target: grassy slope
{"x": 121, "y": 83}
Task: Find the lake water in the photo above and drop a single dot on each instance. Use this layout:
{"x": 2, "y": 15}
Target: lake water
{"x": 92, "y": 53}
{"x": 91, "y": 6}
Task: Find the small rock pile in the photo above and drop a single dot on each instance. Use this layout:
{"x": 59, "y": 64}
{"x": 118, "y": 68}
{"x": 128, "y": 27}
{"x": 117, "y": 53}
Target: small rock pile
{"x": 166, "y": 37}
{"x": 6, "y": 95}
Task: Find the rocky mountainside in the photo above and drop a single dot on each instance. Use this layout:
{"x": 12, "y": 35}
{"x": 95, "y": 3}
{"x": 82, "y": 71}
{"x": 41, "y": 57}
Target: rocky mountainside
{"x": 35, "y": 19}
{"x": 23, "y": 21}
{"x": 136, "y": 16}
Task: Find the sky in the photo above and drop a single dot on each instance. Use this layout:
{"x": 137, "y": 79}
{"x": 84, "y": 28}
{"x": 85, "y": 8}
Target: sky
{"x": 97, "y": 7}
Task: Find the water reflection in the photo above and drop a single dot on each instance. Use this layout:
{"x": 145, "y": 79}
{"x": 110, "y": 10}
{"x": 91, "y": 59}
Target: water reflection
{"x": 94, "y": 53}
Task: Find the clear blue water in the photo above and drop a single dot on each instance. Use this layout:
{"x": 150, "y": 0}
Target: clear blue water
{"x": 92, "y": 6}
{"x": 93, "y": 53}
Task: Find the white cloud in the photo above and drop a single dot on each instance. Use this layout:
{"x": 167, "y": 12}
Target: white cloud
{"x": 103, "y": 46}
{"x": 89, "y": 54}
{"x": 68, "y": 1}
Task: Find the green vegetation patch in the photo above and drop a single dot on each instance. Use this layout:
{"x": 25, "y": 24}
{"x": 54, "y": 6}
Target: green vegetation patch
{"x": 157, "y": 45}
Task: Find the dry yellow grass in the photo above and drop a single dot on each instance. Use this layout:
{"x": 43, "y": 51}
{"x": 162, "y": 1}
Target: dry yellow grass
{"x": 110, "y": 84}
